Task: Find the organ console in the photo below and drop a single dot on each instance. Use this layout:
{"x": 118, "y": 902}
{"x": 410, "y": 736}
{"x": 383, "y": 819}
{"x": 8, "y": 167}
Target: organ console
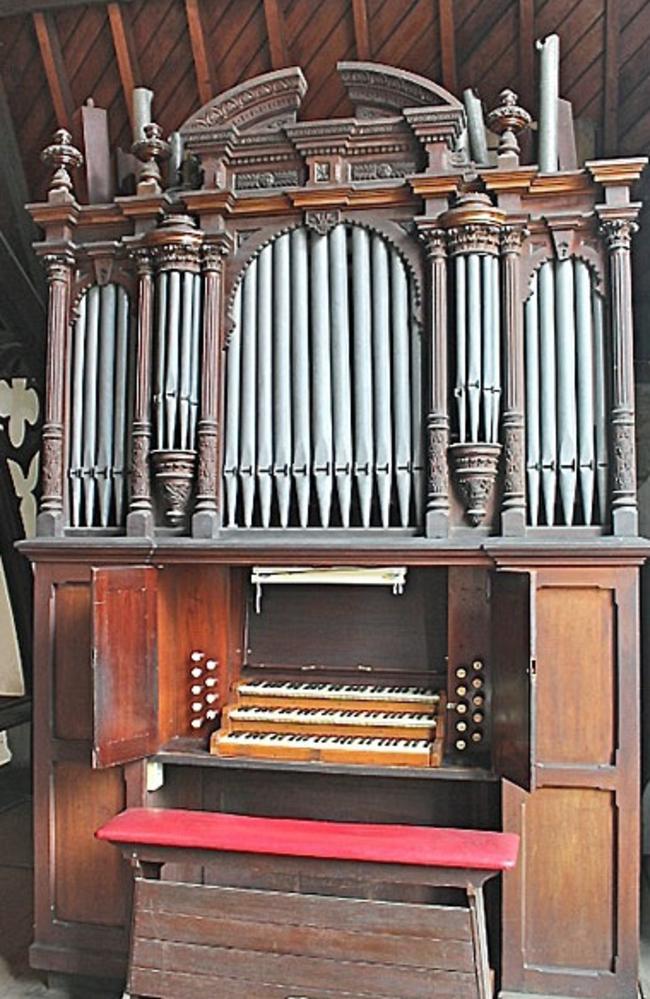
{"x": 382, "y": 369}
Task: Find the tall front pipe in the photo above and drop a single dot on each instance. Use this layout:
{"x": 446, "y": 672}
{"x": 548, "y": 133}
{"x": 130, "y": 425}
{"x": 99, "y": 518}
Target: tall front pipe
{"x": 282, "y": 375}
{"x": 341, "y": 381}
{"x": 600, "y": 404}
{"x": 77, "y": 410}
{"x": 383, "y": 415}
{"x": 549, "y": 95}
{"x": 533, "y": 455}
{"x": 460, "y": 391}
{"x": 233, "y": 386}
{"x": 474, "y": 345}
{"x": 247, "y": 454}
{"x": 567, "y": 423}
{"x": 363, "y": 411}
{"x": 585, "y": 387}
{"x": 121, "y": 401}
{"x": 401, "y": 386}
{"x": 264, "y": 450}
{"x": 90, "y": 403}
{"x": 300, "y": 361}
{"x": 106, "y": 399}
{"x": 546, "y": 288}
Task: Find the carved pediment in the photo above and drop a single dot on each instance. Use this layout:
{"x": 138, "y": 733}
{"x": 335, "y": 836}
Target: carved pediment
{"x": 376, "y": 90}
{"x": 265, "y": 103}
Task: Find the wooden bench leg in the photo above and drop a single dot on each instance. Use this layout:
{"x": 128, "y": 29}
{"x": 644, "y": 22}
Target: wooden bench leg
{"x": 479, "y": 940}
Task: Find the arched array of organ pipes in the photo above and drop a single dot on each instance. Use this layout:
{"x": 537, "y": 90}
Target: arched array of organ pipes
{"x": 566, "y": 404}
{"x": 478, "y": 347}
{"x": 176, "y": 359}
{"x": 323, "y": 386}
{"x": 99, "y": 404}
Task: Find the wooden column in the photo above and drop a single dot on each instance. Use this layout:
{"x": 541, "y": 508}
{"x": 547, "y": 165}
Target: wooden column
{"x": 617, "y": 233}
{"x": 513, "y": 506}
{"x": 437, "y": 501}
{"x": 139, "y": 521}
{"x": 59, "y": 267}
{"x": 206, "y": 520}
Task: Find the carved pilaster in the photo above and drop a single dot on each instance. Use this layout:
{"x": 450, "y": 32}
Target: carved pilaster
{"x": 437, "y": 505}
{"x": 206, "y": 522}
{"x": 139, "y": 521}
{"x": 617, "y": 234}
{"x": 513, "y": 507}
{"x": 59, "y": 267}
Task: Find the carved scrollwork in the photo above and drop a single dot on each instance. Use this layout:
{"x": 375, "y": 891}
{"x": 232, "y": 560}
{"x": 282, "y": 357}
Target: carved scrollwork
{"x": 476, "y": 237}
{"x": 513, "y": 462}
{"x": 51, "y": 468}
{"x": 623, "y": 459}
{"x": 322, "y": 222}
{"x": 512, "y": 238}
{"x": 437, "y": 468}
{"x": 434, "y": 241}
{"x": 58, "y": 266}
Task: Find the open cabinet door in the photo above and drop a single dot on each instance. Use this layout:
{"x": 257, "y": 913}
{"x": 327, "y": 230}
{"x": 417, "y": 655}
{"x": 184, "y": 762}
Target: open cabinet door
{"x": 124, "y": 660}
{"x": 513, "y": 675}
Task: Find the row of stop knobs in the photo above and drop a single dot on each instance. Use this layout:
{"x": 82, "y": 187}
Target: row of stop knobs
{"x": 204, "y": 690}
{"x": 469, "y": 703}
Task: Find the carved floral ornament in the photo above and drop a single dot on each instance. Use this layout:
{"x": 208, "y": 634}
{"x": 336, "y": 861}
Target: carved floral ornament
{"x": 476, "y": 237}
{"x": 618, "y": 233}
{"x": 58, "y": 266}
{"x": 322, "y": 222}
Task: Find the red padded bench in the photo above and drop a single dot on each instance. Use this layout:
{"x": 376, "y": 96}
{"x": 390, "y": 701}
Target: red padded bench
{"x": 262, "y": 927}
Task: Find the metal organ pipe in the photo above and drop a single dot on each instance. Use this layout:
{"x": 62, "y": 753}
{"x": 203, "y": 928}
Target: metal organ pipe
{"x": 461, "y": 346}
{"x": 99, "y": 401}
{"x": 172, "y": 336}
{"x": 566, "y": 428}
{"x": 474, "y": 344}
{"x": 323, "y": 386}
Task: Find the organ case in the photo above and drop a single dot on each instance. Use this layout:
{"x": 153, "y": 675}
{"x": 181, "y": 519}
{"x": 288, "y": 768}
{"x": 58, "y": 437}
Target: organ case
{"x": 375, "y": 351}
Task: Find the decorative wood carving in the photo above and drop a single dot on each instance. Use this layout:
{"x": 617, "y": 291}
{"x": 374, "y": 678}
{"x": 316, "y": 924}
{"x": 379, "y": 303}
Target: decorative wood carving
{"x": 63, "y": 156}
{"x": 514, "y": 488}
{"x": 140, "y": 517}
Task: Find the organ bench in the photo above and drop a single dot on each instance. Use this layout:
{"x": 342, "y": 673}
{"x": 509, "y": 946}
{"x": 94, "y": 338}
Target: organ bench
{"x": 240, "y": 941}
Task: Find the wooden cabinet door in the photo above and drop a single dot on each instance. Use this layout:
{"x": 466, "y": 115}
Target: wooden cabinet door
{"x": 513, "y": 678}
{"x": 124, "y": 662}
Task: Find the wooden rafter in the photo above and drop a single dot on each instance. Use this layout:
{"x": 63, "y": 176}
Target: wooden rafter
{"x": 361, "y": 28}
{"x": 57, "y": 79}
{"x": 527, "y": 54}
{"x": 9, "y": 8}
{"x": 125, "y": 53}
{"x": 610, "y": 89}
{"x": 205, "y": 79}
{"x": 276, "y": 32}
{"x": 448, "y": 44}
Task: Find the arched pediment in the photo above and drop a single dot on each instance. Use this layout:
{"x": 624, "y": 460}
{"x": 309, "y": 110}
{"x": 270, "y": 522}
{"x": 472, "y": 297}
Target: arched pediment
{"x": 264, "y": 103}
{"x": 377, "y": 90}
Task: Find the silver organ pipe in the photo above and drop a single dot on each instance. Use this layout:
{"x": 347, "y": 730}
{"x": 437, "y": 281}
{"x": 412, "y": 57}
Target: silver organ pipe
{"x": 460, "y": 391}
{"x": 172, "y": 336}
{"x": 474, "y": 344}
{"x": 264, "y": 451}
{"x": 382, "y": 376}
{"x": 196, "y": 355}
{"x": 323, "y": 393}
{"x": 533, "y": 438}
{"x": 90, "y": 403}
{"x": 99, "y": 404}
{"x": 341, "y": 380}
{"x": 185, "y": 385}
{"x": 282, "y": 374}
{"x": 300, "y": 376}
{"x": 159, "y": 378}
{"x": 231, "y": 446}
{"x": 566, "y": 418}
{"x": 322, "y": 457}
{"x": 493, "y": 434}
{"x": 105, "y": 401}
{"x": 363, "y": 411}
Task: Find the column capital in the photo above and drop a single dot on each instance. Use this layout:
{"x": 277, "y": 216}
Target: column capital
{"x": 433, "y": 237}
{"x": 617, "y": 233}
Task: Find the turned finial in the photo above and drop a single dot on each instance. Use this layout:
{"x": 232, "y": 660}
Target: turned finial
{"x": 149, "y": 150}
{"x": 62, "y": 155}
{"x": 507, "y": 120}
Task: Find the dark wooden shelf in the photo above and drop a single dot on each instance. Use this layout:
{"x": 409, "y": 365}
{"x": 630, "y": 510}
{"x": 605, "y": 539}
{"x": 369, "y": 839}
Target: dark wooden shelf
{"x": 182, "y": 752}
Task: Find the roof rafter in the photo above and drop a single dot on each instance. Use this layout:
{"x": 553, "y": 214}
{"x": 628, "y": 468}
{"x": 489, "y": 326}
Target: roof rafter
{"x": 276, "y": 32}
{"x": 125, "y": 53}
{"x": 205, "y": 78}
{"x": 361, "y": 28}
{"x": 55, "y": 71}
{"x": 448, "y": 45}
{"x": 612, "y": 29}
{"x": 527, "y": 53}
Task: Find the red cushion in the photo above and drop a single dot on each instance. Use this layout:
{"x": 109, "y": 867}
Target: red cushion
{"x": 427, "y": 847}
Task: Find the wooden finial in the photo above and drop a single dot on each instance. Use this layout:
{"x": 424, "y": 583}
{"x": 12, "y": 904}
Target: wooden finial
{"x": 62, "y": 155}
{"x": 149, "y": 150}
{"x": 507, "y": 120}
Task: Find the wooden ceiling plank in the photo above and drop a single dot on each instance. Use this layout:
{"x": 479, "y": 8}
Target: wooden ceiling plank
{"x": 205, "y": 79}
{"x": 125, "y": 54}
{"x": 276, "y": 33}
{"x": 361, "y": 29}
{"x": 55, "y": 71}
{"x": 611, "y": 44}
{"x": 447, "y": 45}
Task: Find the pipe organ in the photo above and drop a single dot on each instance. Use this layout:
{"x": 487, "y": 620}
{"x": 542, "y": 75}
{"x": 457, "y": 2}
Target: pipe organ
{"x": 383, "y": 366}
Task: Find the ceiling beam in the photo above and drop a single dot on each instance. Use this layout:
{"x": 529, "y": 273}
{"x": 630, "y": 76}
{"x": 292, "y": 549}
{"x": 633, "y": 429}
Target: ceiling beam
{"x": 276, "y": 32}
{"x": 57, "y": 78}
{"x": 611, "y": 42}
{"x": 125, "y": 53}
{"x": 448, "y": 45}
{"x": 526, "y": 14}
{"x": 361, "y": 28}
{"x": 9, "y": 8}
{"x": 205, "y": 79}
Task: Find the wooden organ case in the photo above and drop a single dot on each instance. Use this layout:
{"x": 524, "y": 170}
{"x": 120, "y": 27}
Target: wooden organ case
{"x": 332, "y": 354}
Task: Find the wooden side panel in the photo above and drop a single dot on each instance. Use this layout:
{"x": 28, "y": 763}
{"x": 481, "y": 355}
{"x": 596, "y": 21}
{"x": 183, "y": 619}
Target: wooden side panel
{"x": 576, "y": 675}
{"x": 513, "y": 692}
{"x": 71, "y": 661}
{"x": 90, "y": 877}
{"x": 569, "y": 878}
{"x": 124, "y": 664}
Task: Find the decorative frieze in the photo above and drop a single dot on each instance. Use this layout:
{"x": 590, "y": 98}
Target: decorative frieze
{"x": 266, "y": 179}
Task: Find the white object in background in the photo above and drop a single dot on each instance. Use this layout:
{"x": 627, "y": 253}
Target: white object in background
{"x": 5, "y": 751}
